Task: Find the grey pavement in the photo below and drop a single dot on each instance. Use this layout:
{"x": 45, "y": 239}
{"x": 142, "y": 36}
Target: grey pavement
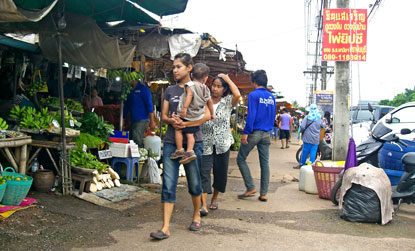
{"x": 290, "y": 220}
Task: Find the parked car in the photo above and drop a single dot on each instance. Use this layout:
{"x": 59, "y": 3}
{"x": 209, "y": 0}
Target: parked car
{"x": 362, "y": 120}
{"x": 400, "y": 117}
{"x": 361, "y": 113}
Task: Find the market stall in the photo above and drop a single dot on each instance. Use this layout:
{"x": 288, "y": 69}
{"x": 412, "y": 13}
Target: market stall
{"x": 18, "y": 159}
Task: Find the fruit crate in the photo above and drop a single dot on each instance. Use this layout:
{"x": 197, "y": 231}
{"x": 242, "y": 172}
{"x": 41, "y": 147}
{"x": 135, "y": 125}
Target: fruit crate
{"x": 18, "y": 186}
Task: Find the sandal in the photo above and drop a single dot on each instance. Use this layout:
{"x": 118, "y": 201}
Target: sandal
{"x": 245, "y": 195}
{"x": 213, "y": 206}
{"x": 195, "y": 226}
{"x": 159, "y": 235}
{"x": 263, "y": 198}
{"x": 203, "y": 212}
{"x": 282, "y": 147}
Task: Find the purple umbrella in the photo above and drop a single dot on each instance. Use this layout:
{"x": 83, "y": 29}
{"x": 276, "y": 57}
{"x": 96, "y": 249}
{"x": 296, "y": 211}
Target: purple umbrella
{"x": 351, "y": 160}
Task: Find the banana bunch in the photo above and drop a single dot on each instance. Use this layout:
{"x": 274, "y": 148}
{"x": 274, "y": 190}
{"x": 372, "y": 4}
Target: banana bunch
{"x": 17, "y": 112}
{"x": 125, "y": 76}
{"x": 126, "y": 89}
{"x": 3, "y": 124}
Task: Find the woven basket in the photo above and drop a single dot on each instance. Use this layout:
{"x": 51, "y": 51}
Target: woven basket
{"x": 16, "y": 190}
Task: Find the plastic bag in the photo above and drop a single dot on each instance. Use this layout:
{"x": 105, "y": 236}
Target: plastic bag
{"x": 361, "y": 204}
{"x": 153, "y": 171}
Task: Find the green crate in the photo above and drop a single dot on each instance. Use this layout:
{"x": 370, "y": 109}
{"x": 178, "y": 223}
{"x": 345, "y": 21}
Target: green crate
{"x": 16, "y": 190}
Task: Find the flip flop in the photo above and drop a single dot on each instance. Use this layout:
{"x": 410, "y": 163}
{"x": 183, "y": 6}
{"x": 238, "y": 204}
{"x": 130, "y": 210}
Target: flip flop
{"x": 244, "y": 196}
{"x": 159, "y": 235}
{"x": 263, "y": 199}
{"x": 213, "y": 206}
{"x": 203, "y": 212}
{"x": 195, "y": 226}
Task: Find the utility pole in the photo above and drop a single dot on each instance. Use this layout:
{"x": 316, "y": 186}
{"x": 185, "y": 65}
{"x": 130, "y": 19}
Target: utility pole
{"x": 324, "y": 63}
{"x": 341, "y": 97}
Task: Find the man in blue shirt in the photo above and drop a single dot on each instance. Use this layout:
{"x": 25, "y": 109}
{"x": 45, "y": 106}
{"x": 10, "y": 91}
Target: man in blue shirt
{"x": 259, "y": 122}
{"x": 140, "y": 105}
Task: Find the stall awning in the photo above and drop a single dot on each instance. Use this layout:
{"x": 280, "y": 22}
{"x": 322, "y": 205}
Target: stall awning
{"x": 163, "y": 7}
{"x": 100, "y": 10}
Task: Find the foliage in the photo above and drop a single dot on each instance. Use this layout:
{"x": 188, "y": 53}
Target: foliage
{"x": 83, "y": 159}
{"x": 96, "y": 126}
{"x": 401, "y": 98}
{"x": 88, "y": 140}
{"x": 237, "y": 138}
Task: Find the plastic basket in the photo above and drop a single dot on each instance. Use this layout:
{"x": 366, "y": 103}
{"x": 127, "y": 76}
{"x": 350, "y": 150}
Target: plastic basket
{"x": 16, "y": 190}
{"x": 326, "y": 176}
{"x": 2, "y": 190}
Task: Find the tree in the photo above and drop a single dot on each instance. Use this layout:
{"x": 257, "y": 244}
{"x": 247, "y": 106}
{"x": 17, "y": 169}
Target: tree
{"x": 295, "y": 104}
{"x": 401, "y": 98}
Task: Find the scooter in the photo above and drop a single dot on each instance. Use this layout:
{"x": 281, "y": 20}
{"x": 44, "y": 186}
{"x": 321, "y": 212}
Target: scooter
{"x": 405, "y": 190}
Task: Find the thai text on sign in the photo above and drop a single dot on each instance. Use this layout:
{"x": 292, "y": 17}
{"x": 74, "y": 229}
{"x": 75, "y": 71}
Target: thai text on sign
{"x": 344, "y": 34}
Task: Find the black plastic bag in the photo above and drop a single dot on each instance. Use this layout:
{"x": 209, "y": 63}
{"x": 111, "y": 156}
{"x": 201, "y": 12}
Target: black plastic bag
{"x": 361, "y": 204}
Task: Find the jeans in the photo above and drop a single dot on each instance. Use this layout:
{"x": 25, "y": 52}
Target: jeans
{"x": 308, "y": 149}
{"x": 261, "y": 140}
{"x": 275, "y": 132}
{"x": 138, "y": 129}
{"x": 219, "y": 163}
{"x": 171, "y": 173}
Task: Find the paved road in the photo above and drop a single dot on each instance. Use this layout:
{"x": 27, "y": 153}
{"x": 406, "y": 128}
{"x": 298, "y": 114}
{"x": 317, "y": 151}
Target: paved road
{"x": 290, "y": 220}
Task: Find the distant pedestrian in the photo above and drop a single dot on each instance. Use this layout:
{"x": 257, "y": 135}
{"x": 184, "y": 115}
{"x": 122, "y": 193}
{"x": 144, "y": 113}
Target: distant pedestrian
{"x": 275, "y": 129}
{"x": 259, "y": 122}
{"x": 285, "y": 128}
{"x": 310, "y": 130}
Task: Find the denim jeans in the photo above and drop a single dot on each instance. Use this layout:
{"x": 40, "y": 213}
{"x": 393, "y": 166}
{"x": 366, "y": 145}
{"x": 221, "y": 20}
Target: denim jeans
{"x": 308, "y": 149}
{"x": 171, "y": 173}
{"x": 275, "y": 132}
{"x": 261, "y": 140}
{"x": 138, "y": 129}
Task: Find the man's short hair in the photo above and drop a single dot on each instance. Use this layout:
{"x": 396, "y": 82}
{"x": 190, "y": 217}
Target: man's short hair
{"x": 285, "y": 110}
{"x": 260, "y": 78}
{"x": 200, "y": 71}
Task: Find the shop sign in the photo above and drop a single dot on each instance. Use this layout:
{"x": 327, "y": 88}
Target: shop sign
{"x": 104, "y": 154}
{"x": 324, "y": 100}
{"x": 344, "y": 35}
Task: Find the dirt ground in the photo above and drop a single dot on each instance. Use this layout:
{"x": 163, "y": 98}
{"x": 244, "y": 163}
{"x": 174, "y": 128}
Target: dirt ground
{"x": 290, "y": 220}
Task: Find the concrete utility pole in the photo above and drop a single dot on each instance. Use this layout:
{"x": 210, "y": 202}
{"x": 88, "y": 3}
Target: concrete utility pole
{"x": 324, "y": 63}
{"x": 341, "y": 115}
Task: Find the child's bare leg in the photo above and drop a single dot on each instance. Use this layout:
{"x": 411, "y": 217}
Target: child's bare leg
{"x": 190, "y": 141}
{"x": 179, "y": 139}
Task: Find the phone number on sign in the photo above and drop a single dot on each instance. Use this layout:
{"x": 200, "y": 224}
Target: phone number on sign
{"x": 344, "y": 57}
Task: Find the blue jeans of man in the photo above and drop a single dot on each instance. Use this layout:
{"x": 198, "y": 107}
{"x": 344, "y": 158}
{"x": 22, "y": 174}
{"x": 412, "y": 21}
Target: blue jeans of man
{"x": 261, "y": 140}
{"x": 171, "y": 173}
{"x": 308, "y": 149}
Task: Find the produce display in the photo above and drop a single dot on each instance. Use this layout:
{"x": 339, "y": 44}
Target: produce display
{"x": 88, "y": 140}
{"x": 82, "y": 159}
{"x": 30, "y": 118}
{"x": 18, "y": 178}
{"x": 107, "y": 179}
{"x": 69, "y": 103}
{"x": 3, "y": 124}
{"x": 37, "y": 86}
{"x": 96, "y": 126}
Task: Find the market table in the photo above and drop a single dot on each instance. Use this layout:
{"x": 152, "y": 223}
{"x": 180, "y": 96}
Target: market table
{"x": 19, "y": 159}
{"x": 47, "y": 145}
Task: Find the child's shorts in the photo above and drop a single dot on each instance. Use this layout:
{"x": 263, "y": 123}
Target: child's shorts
{"x": 192, "y": 129}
